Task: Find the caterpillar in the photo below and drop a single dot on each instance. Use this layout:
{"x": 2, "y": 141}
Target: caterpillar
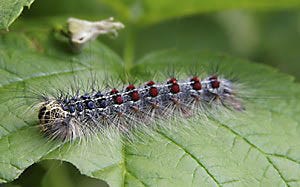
{"x": 67, "y": 117}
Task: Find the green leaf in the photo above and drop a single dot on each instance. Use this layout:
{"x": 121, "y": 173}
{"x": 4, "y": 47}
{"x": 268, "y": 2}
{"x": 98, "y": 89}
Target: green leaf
{"x": 147, "y": 12}
{"x": 132, "y": 11}
{"x": 257, "y": 147}
{"x": 249, "y": 34}
{"x": 10, "y": 10}
{"x": 153, "y": 11}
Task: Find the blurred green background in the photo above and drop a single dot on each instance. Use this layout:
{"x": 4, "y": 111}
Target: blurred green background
{"x": 261, "y": 33}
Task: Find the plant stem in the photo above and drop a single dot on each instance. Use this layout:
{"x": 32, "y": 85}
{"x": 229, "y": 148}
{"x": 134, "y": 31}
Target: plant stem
{"x": 129, "y": 48}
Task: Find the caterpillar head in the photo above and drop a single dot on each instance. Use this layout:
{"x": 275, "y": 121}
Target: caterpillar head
{"x": 56, "y": 123}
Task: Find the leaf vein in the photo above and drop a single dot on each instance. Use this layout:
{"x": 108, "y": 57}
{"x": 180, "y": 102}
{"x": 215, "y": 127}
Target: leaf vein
{"x": 255, "y": 147}
{"x": 192, "y": 156}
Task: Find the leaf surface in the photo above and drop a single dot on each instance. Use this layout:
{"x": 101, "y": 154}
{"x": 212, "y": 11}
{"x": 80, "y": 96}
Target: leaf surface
{"x": 144, "y": 12}
{"x": 10, "y": 10}
{"x": 256, "y": 147}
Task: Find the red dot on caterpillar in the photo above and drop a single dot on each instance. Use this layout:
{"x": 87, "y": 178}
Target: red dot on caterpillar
{"x": 114, "y": 91}
{"x": 175, "y": 88}
{"x": 130, "y": 87}
{"x": 213, "y": 77}
{"x": 215, "y": 83}
{"x": 150, "y": 83}
{"x": 195, "y": 79}
{"x": 153, "y": 92}
{"x": 135, "y": 96}
{"x": 118, "y": 99}
{"x": 196, "y": 84}
{"x": 172, "y": 81}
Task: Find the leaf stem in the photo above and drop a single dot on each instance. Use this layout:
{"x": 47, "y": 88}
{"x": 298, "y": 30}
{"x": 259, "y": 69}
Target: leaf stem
{"x": 129, "y": 47}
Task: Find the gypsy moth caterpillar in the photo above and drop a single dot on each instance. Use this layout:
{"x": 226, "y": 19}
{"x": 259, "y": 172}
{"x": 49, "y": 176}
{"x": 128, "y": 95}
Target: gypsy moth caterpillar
{"x": 69, "y": 116}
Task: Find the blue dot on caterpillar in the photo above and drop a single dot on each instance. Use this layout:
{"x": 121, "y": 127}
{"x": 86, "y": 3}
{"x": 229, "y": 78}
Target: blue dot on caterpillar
{"x": 67, "y": 118}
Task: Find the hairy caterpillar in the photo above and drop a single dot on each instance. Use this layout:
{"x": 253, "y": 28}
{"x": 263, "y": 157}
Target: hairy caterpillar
{"x": 67, "y": 117}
